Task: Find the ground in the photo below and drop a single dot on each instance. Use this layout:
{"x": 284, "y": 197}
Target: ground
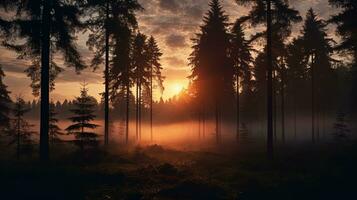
{"x": 154, "y": 172}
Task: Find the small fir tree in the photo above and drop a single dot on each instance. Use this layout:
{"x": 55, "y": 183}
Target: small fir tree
{"x": 54, "y": 129}
{"x": 84, "y": 107}
{"x": 20, "y": 129}
{"x": 341, "y": 127}
{"x": 5, "y": 103}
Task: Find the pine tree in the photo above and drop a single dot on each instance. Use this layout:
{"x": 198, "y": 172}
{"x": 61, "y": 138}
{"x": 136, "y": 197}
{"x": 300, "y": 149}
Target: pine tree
{"x": 5, "y": 25}
{"x": 141, "y": 69}
{"x": 346, "y": 28}
{"x": 278, "y": 17}
{"x": 298, "y": 77}
{"x": 154, "y": 55}
{"x": 21, "y": 130}
{"x": 341, "y": 127}
{"x": 212, "y": 69}
{"x": 47, "y": 26}
{"x": 121, "y": 75}
{"x": 240, "y": 53}
{"x": 111, "y": 23}
{"x": 5, "y": 102}
{"x": 318, "y": 51}
{"x": 55, "y": 130}
{"x": 84, "y": 107}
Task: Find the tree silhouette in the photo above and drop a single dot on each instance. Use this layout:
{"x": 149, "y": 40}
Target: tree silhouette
{"x": 55, "y": 130}
{"x": 278, "y": 17}
{"x": 5, "y": 25}
{"x": 341, "y": 127}
{"x": 317, "y": 50}
{"x": 83, "y": 110}
{"x": 110, "y": 23}
{"x": 297, "y": 74}
{"x": 21, "y": 129}
{"x": 212, "y": 69}
{"x": 346, "y": 28}
{"x": 241, "y": 55}
{"x": 154, "y": 55}
{"x": 141, "y": 68}
{"x": 5, "y": 102}
{"x": 48, "y": 25}
{"x": 121, "y": 75}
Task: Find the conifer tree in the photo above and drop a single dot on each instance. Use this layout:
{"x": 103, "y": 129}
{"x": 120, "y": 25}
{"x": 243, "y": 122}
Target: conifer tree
{"x": 212, "y": 69}
{"x": 278, "y": 17}
{"x": 317, "y": 48}
{"x": 141, "y": 69}
{"x": 55, "y": 130}
{"x": 21, "y": 130}
{"x": 341, "y": 130}
{"x": 154, "y": 55}
{"x": 346, "y": 28}
{"x": 240, "y": 53}
{"x": 44, "y": 27}
{"x": 298, "y": 77}
{"x": 111, "y": 24}
{"x": 84, "y": 107}
{"x": 5, "y": 102}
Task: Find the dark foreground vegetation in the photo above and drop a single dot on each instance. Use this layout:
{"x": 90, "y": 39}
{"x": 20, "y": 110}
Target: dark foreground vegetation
{"x": 154, "y": 172}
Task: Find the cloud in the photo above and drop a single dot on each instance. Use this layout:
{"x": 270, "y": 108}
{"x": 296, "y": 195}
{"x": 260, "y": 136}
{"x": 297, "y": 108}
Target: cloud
{"x": 175, "y": 41}
{"x": 174, "y": 61}
{"x": 170, "y": 5}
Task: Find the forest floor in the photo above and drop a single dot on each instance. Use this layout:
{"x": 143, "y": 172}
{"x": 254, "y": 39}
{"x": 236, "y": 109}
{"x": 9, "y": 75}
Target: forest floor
{"x": 155, "y": 172}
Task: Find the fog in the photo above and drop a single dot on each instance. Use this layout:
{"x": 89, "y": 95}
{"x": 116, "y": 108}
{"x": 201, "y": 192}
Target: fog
{"x": 188, "y": 136}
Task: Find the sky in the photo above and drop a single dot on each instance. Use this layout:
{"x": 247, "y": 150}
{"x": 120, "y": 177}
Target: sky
{"x": 172, "y": 22}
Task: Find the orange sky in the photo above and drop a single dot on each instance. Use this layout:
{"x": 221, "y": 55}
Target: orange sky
{"x": 172, "y": 22}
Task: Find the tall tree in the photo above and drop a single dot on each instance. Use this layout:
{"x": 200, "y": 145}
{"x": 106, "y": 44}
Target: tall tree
{"x": 121, "y": 75}
{"x": 5, "y": 102}
{"x": 41, "y": 26}
{"x": 346, "y": 28}
{"x": 154, "y": 55}
{"x": 140, "y": 64}
{"x": 242, "y": 58}
{"x": 317, "y": 50}
{"x": 278, "y": 17}
{"x": 110, "y": 22}
{"x": 212, "y": 69}
{"x": 297, "y": 74}
{"x": 84, "y": 107}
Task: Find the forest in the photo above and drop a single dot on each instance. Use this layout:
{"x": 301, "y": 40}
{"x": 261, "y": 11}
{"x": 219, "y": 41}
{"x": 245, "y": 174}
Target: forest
{"x": 269, "y": 109}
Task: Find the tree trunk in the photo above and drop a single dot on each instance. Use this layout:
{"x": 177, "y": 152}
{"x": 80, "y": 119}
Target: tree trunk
{"x": 270, "y": 149}
{"x": 199, "y": 123}
{"x": 106, "y": 75}
{"x": 127, "y": 108}
{"x": 18, "y": 139}
{"x": 45, "y": 79}
{"x": 217, "y": 121}
{"x": 295, "y": 123}
{"x": 151, "y": 103}
{"x": 283, "y": 103}
{"x": 238, "y": 109}
{"x": 312, "y": 99}
{"x": 203, "y": 122}
{"x": 317, "y": 110}
{"x": 274, "y": 108}
{"x": 137, "y": 109}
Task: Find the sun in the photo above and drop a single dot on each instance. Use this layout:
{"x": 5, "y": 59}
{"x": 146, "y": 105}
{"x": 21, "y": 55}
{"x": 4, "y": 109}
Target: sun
{"x": 177, "y": 88}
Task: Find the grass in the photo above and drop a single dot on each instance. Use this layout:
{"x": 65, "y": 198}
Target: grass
{"x": 309, "y": 172}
